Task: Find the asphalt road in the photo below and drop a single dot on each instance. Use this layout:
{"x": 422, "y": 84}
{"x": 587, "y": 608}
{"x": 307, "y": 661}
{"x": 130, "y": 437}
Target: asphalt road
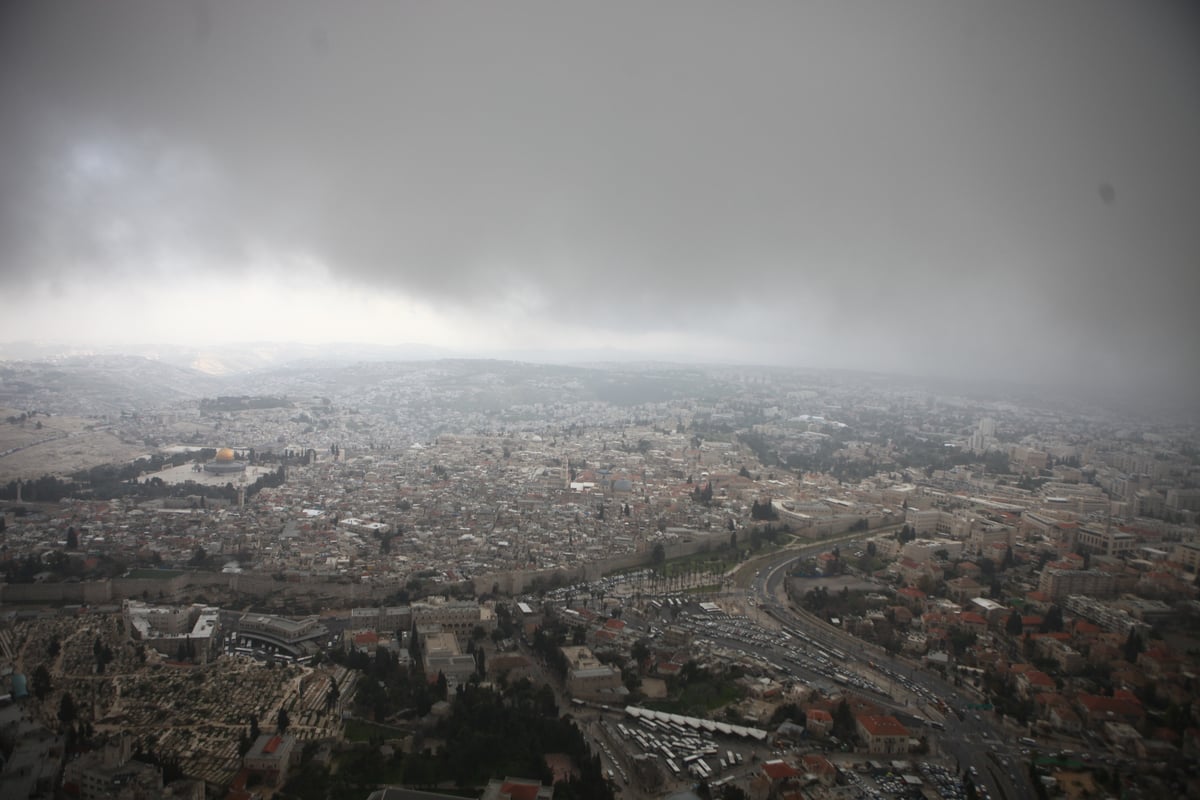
{"x": 979, "y": 745}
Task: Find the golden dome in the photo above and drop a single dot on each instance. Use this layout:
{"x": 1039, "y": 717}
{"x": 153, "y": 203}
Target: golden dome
{"x": 225, "y": 454}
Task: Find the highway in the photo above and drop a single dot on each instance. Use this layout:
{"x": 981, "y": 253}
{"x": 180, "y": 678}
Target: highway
{"x": 990, "y": 754}
{"x": 981, "y": 748}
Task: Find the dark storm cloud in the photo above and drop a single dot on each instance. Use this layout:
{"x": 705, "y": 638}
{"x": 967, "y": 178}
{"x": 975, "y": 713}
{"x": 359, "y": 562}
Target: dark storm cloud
{"x": 946, "y": 187}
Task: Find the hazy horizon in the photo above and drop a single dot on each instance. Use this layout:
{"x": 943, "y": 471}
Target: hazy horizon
{"x": 968, "y": 190}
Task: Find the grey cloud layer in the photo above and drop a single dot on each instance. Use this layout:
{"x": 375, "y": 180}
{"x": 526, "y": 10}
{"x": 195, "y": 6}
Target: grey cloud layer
{"x": 843, "y": 174}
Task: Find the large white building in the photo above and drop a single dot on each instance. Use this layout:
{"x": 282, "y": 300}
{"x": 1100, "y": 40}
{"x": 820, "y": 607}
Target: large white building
{"x": 291, "y": 637}
{"x": 165, "y": 628}
{"x": 440, "y": 653}
{"x": 460, "y": 617}
{"x": 1106, "y": 542}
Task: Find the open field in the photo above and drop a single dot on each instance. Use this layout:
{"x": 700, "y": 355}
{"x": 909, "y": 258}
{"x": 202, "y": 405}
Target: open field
{"x": 61, "y": 446}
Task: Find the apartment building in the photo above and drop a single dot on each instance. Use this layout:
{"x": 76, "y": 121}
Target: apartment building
{"x": 1058, "y": 584}
{"x": 882, "y": 733}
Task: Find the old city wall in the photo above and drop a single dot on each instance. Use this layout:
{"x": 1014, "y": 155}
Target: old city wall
{"x": 310, "y": 589}
{"x": 183, "y": 585}
{"x": 261, "y": 585}
{"x": 83, "y": 592}
{"x": 515, "y": 582}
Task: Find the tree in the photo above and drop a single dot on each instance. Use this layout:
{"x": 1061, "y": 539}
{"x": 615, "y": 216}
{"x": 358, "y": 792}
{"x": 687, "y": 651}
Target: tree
{"x": 640, "y": 651}
{"x": 72, "y": 538}
{"x": 658, "y": 555}
{"x": 1133, "y": 646}
{"x": 763, "y": 512}
{"x": 41, "y": 682}
{"x": 66, "y": 709}
{"x": 731, "y": 791}
{"x": 443, "y": 686}
{"x": 254, "y": 732}
{"x": 1054, "y": 620}
{"x": 843, "y": 721}
{"x": 282, "y": 721}
{"x": 1014, "y": 626}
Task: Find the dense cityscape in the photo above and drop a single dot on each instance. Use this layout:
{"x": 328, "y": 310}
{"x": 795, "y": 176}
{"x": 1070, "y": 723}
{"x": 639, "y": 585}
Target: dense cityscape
{"x": 522, "y": 580}
{"x": 528, "y": 400}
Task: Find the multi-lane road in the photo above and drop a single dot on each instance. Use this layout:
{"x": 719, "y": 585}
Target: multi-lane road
{"x": 982, "y": 748}
{"x": 989, "y": 753}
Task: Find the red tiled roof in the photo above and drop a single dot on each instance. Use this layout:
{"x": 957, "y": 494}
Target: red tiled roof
{"x": 818, "y": 764}
{"x": 777, "y": 770}
{"x": 272, "y": 744}
{"x": 1097, "y": 704}
{"x": 520, "y": 791}
{"x": 882, "y": 725}
{"x": 1050, "y": 699}
{"x": 1165, "y": 735}
{"x": 1038, "y": 678}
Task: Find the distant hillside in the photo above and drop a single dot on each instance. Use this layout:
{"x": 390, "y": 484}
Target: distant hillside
{"x": 229, "y": 359}
{"x": 99, "y": 385}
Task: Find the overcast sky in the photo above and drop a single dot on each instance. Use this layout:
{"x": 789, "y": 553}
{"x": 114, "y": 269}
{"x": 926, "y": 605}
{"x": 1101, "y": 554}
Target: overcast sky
{"x": 996, "y": 189}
